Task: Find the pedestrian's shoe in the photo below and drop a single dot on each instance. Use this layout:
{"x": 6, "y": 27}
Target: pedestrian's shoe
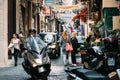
{"x": 15, "y": 64}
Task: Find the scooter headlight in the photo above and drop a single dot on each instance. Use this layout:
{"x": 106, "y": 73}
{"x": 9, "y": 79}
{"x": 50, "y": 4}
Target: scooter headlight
{"x": 34, "y": 65}
{"x": 38, "y": 61}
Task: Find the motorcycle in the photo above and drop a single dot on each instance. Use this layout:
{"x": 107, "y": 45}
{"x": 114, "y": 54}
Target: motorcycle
{"x": 94, "y": 58}
{"x": 111, "y": 52}
{"x": 94, "y": 66}
{"x": 37, "y": 63}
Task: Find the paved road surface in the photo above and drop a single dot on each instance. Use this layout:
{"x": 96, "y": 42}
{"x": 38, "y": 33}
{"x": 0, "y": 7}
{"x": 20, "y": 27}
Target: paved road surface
{"x": 17, "y": 73}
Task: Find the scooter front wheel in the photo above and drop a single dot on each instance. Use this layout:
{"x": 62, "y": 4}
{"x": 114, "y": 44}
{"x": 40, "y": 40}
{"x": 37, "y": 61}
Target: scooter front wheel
{"x": 43, "y": 76}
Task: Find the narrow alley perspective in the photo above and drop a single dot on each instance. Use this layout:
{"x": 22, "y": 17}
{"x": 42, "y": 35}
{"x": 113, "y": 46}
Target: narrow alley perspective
{"x": 59, "y": 39}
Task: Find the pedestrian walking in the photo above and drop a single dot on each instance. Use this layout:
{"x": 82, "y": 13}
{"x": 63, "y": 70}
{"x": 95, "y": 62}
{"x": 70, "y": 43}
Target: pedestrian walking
{"x": 21, "y": 37}
{"x": 80, "y": 39}
{"x": 81, "y": 29}
{"x": 63, "y": 43}
{"x": 16, "y": 44}
{"x": 74, "y": 43}
{"x": 21, "y": 34}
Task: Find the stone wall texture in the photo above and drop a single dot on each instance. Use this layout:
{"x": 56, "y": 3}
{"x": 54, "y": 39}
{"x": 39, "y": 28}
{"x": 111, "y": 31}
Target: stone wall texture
{"x": 3, "y": 32}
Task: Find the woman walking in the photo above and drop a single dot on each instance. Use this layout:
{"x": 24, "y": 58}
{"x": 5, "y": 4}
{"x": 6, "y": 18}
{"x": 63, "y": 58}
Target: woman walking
{"x": 16, "y": 43}
{"x": 63, "y": 42}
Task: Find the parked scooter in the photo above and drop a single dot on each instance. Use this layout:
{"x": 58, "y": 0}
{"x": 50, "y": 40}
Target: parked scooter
{"x": 94, "y": 66}
{"x": 37, "y": 64}
{"x": 94, "y": 58}
{"x": 111, "y": 54}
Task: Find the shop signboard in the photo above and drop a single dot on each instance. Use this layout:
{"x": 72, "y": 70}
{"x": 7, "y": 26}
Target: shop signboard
{"x": 49, "y": 2}
{"x": 108, "y": 13}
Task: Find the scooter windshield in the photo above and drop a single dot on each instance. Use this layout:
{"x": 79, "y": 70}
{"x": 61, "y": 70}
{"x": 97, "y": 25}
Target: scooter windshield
{"x": 36, "y": 44}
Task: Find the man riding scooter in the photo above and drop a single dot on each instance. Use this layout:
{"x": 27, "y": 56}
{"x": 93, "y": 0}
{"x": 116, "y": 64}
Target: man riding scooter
{"x": 36, "y": 61}
{"x": 32, "y": 39}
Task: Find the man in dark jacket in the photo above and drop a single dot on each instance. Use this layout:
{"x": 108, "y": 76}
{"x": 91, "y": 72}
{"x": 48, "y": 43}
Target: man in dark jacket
{"x": 74, "y": 43}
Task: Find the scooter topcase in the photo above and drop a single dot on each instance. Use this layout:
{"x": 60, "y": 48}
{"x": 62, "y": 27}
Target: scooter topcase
{"x": 86, "y": 74}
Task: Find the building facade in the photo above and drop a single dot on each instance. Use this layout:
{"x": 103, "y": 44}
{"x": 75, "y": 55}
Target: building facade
{"x": 111, "y": 14}
{"x": 3, "y": 32}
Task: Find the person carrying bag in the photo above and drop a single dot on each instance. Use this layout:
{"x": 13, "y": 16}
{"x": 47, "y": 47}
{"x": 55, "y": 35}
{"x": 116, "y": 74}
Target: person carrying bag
{"x": 14, "y": 46}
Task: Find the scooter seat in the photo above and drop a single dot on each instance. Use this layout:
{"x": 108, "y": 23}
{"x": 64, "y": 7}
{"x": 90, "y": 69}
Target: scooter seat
{"x": 86, "y": 74}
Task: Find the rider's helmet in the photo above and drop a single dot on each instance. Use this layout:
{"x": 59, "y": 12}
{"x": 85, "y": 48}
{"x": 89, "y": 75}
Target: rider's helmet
{"x": 32, "y": 30}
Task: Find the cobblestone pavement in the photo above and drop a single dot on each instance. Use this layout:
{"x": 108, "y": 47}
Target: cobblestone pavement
{"x": 13, "y": 73}
{"x": 57, "y": 68}
{"x": 57, "y": 72}
{"x": 17, "y": 73}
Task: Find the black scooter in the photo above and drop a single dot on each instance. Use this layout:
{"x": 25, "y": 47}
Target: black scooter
{"x": 95, "y": 66}
{"x": 111, "y": 50}
{"x": 37, "y": 64}
{"x": 93, "y": 61}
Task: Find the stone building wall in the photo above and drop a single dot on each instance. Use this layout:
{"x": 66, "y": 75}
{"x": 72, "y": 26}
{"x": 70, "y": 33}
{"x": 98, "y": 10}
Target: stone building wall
{"x": 3, "y": 32}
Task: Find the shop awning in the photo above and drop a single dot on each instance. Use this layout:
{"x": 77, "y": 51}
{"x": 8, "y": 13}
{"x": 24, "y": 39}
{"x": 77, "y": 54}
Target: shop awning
{"x": 82, "y": 15}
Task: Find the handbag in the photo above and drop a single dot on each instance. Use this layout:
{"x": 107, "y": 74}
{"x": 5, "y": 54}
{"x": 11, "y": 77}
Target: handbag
{"x": 11, "y": 47}
{"x": 69, "y": 47}
{"x": 10, "y": 54}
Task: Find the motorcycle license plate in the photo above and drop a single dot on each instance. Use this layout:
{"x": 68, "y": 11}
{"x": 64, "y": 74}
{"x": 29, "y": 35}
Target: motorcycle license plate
{"x": 78, "y": 60}
{"x": 41, "y": 69}
{"x": 111, "y": 61}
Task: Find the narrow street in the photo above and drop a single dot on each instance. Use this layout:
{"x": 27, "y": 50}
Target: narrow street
{"x": 17, "y": 73}
{"x": 90, "y": 29}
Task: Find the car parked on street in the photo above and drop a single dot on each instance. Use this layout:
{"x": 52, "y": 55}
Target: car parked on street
{"x": 54, "y": 48}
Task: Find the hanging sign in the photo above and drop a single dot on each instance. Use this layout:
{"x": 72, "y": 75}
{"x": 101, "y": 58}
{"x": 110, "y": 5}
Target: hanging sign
{"x": 49, "y": 2}
{"x": 64, "y": 7}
